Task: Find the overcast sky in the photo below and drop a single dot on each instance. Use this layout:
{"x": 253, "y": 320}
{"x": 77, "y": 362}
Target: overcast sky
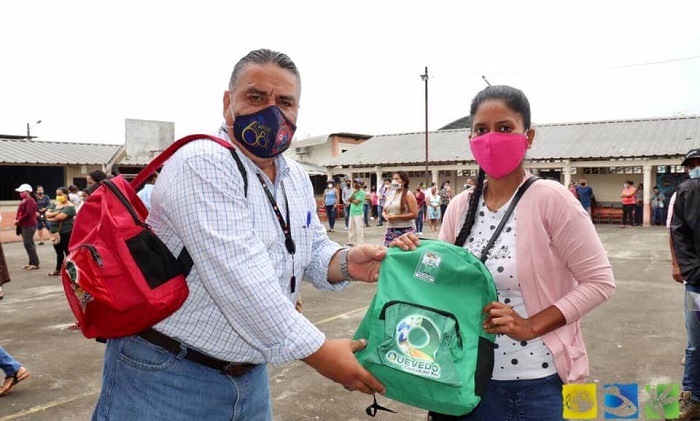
{"x": 82, "y": 67}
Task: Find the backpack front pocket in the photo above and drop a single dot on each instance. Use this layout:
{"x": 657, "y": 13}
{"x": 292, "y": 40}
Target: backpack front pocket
{"x": 420, "y": 341}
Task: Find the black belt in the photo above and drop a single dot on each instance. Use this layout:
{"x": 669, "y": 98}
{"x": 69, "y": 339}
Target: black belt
{"x": 175, "y": 347}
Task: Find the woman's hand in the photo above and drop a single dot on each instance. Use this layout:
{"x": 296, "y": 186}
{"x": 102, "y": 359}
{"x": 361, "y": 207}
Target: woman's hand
{"x": 408, "y": 241}
{"x": 502, "y": 318}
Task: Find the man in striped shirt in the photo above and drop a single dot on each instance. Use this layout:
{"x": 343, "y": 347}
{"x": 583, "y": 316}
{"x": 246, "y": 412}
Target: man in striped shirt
{"x": 253, "y": 235}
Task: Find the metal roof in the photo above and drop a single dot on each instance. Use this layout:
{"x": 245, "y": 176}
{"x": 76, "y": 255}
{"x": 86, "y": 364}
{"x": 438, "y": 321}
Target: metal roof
{"x": 55, "y": 153}
{"x": 310, "y": 141}
{"x": 651, "y": 137}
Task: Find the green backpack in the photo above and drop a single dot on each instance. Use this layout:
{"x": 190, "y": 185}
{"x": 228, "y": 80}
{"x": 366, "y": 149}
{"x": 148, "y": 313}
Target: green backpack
{"x": 425, "y": 340}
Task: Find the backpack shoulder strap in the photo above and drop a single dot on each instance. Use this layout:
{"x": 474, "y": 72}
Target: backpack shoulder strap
{"x": 184, "y": 259}
{"x": 159, "y": 160}
{"x": 521, "y": 190}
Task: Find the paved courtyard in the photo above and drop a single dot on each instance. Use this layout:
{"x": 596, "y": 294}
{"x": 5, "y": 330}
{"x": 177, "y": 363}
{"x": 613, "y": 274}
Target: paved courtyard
{"x": 636, "y": 337}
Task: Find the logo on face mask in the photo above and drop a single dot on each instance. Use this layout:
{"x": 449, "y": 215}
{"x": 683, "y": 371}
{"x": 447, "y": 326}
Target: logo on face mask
{"x": 266, "y": 133}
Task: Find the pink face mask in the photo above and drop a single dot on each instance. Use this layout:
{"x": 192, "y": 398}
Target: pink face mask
{"x": 23, "y": 194}
{"x": 499, "y": 154}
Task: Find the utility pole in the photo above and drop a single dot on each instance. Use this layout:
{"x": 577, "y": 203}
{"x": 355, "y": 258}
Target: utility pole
{"x": 425, "y": 79}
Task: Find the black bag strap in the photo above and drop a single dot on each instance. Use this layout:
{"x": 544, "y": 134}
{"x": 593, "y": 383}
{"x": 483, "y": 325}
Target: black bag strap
{"x": 521, "y": 190}
{"x": 372, "y": 409}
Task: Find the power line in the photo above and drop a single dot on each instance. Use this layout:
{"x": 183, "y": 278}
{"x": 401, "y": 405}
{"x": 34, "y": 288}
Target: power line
{"x": 656, "y": 62}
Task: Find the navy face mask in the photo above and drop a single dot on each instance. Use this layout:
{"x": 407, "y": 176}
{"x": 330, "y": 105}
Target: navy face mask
{"x": 266, "y": 133}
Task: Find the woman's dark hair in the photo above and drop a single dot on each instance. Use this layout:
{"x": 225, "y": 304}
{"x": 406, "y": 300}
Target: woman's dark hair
{"x": 97, "y": 175}
{"x": 403, "y": 175}
{"x": 514, "y": 99}
{"x": 63, "y": 190}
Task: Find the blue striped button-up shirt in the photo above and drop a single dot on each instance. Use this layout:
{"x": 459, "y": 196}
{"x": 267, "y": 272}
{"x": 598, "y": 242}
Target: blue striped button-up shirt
{"x": 241, "y": 304}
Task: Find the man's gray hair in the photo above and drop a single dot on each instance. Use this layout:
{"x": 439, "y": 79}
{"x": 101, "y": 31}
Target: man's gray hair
{"x": 263, "y": 56}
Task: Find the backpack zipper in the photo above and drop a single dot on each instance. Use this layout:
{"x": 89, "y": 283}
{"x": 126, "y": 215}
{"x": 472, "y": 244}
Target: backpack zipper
{"x": 382, "y": 314}
{"x": 93, "y": 252}
{"x": 124, "y": 201}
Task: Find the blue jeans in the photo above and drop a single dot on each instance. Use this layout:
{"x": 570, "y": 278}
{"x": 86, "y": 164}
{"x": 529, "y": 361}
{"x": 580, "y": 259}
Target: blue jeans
{"x": 517, "y": 400}
{"x": 691, "y": 373}
{"x": 380, "y": 208}
{"x": 657, "y": 217}
{"x": 366, "y": 214}
{"x": 419, "y": 220}
{"x": 142, "y": 381}
{"x": 8, "y": 364}
{"x": 330, "y": 213}
{"x": 347, "y": 215}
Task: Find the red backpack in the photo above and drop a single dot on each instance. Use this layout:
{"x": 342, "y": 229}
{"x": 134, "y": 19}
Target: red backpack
{"x": 119, "y": 277}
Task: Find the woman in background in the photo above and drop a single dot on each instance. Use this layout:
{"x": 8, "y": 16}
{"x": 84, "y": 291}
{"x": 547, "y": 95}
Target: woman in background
{"x": 60, "y": 217}
{"x": 400, "y": 208}
{"x": 330, "y": 200}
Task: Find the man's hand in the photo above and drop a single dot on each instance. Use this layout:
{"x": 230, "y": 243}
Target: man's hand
{"x": 335, "y": 360}
{"x": 363, "y": 262}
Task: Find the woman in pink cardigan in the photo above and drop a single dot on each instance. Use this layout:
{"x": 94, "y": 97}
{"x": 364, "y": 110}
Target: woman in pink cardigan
{"x": 549, "y": 265}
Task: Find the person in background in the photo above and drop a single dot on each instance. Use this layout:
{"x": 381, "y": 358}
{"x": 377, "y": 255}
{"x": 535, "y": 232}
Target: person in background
{"x": 95, "y": 176}
{"x": 445, "y": 196}
{"x": 4, "y": 271}
{"x": 345, "y": 195}
{"x": 469, "y": 183}
{"x": 420, "y": 201}
{"x": 585, "y": 195}
{"x": 356, "y": 231}
{"x": 685, "y": 253}
{"x": 657, "y": 206}
{"x": 572, "y": 189}
{"x": 383, "y": 190}
{"x": 374, "y": 200}
{"x": 639, "y": 205}
{"x": 145, "y": 193}
{"x": 14, "y": 372}
{"x": 549, "y": 266}
{"x": 43, "y": 201}
{"x": 330, "y": 199}
{"x": 400, "y": 209}
{"x": 73, "y": 195}
{"x": 628, "y": 202}
{"x": 434, "y": 214}
{"x": 60, "y": 217}
{"x": 25, "y": 221}
{"x": 367, "y": 205}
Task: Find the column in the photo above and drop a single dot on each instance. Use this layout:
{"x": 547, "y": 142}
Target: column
{"x": 436, "y": 180}
{"x": 647, "y": 195}
{"x": 567, "y": 172}
{"x": 378, "y": 173}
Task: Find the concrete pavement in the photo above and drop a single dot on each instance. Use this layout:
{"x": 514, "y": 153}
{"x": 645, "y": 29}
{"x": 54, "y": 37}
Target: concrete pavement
{"x": 638, "y": 336}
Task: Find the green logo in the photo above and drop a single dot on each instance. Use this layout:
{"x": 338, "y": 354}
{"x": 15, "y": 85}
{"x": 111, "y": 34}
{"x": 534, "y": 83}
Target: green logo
{"x": 428, "y": 266}
{"x": 418, "y": 340}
